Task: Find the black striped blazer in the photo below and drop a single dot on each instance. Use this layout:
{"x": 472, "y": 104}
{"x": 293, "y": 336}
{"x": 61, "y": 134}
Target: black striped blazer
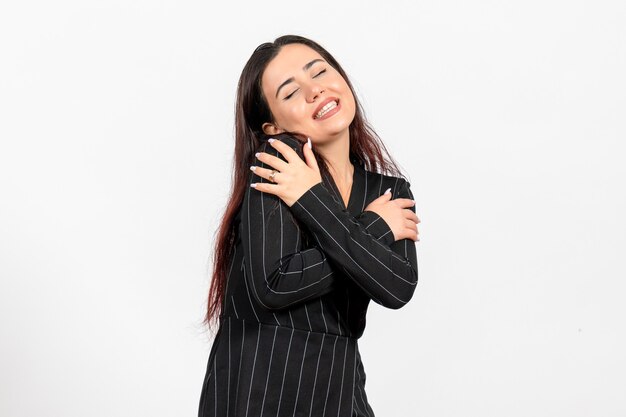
{"x": 299, "y": 285}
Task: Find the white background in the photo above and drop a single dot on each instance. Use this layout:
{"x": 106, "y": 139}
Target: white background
{"x": 508, "y": 118}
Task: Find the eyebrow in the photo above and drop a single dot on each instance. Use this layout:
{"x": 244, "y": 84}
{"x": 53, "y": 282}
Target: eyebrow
{"x": 291, "y": 79}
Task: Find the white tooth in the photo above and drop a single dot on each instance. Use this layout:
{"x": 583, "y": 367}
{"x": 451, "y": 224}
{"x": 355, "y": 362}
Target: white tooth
{"x": 326, "y": 109}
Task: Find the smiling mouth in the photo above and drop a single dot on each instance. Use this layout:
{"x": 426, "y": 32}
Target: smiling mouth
{"x": 328, "y": 107}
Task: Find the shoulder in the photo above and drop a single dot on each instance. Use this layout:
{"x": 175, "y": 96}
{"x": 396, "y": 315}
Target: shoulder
{"x": 385, "y": 179}
{"x": 295, "y": 143}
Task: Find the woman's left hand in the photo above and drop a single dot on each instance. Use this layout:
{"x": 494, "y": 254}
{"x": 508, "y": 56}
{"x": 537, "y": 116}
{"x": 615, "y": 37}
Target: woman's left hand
{"x": 294, "y": 177}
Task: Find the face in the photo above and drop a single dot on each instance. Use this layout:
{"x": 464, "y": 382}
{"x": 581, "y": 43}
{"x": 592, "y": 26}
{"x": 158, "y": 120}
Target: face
{"x": 306, "y": 95}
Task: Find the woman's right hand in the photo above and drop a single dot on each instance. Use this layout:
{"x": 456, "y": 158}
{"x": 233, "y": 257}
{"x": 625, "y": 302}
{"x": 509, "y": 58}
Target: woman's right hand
{"x": 396, "y": 213}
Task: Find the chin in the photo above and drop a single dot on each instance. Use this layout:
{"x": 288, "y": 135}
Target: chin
{"x": 343, "y": 124}
{"x": 334, "y": 129}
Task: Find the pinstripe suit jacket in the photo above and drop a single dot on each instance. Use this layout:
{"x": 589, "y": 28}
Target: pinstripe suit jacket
{"x": 298, "y": 289}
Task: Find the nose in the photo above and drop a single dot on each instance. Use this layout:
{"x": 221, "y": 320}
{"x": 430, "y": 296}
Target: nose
{"x": 313, "y": 93}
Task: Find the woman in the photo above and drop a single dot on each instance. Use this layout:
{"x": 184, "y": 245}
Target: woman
{"x": 307, "y": 240}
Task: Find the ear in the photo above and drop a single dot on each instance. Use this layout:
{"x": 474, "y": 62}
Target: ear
{"x": 271, "y": 129}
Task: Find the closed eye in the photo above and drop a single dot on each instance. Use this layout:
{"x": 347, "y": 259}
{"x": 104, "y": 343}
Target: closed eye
{"x": 292, "y": 93}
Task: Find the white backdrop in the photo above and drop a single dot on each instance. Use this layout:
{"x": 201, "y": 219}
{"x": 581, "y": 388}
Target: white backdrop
{"x": 508, "y": 118}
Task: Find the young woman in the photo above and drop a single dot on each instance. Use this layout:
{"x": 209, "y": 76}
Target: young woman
{"x": 315, "y": 228}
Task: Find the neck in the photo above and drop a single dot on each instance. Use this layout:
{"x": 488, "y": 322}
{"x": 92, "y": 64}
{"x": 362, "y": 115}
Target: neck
{"x": 337, "y": 155}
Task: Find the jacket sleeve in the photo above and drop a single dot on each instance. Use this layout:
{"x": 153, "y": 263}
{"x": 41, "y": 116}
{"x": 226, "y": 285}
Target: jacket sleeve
{"x": 279, "y": 268}
{"x": 363, "y": 247}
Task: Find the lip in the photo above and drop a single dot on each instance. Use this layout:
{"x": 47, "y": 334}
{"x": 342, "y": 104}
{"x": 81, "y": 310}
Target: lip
{"x": 322, "y": 104}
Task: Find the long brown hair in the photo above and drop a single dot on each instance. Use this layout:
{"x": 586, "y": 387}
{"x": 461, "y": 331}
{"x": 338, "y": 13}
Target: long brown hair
{"x": 251, "y": 111}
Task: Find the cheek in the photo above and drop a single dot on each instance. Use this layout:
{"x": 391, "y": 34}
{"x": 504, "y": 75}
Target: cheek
{"x": 341, "y": 85}
{"x": 348, "y": 100}
{"x": 293, "y": 115}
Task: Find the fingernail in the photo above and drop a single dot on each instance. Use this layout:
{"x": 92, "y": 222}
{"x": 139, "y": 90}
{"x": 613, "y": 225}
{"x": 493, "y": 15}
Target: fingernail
{"x": 257, "y": 154}
{"x": 252, "y": 168}
{"x": 308, "y": 140}
{"x": 253, "y": 185}
{"x": 270, "y": 140}
{"x": 387, "y": 190}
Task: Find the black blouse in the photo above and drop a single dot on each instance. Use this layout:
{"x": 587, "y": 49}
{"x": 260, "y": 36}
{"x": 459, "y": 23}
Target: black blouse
{"x": 299, "y": 285}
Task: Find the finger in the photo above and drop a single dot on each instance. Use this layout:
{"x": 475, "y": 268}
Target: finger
{"x": 413, "y": 233}
{"x": 385, "y": 196}
{"x": 285, "y": 150}
{"x": 262, "y": 172}
{"x": 271, "y": 161}
{"x": 410, "y": 214}
{"x": 408, "y": 234}
{"x": 310, "y": 156}
{"x": 404, "y": 202}
{"x": 265, "y": 187}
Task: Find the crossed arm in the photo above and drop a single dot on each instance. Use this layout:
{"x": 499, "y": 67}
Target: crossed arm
{"x": 281, "y": 271}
